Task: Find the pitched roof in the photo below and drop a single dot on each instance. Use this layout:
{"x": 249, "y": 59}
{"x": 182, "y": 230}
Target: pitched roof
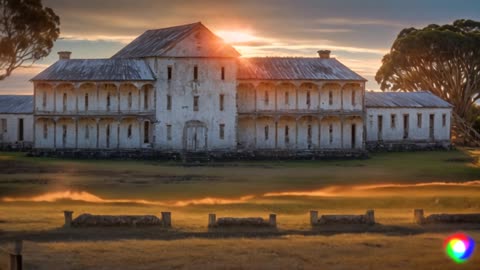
{"x": 294, "y": 68}
{"x": 158, "y": 42}
{"x": 16, "y": 104}
{"x": 97, "y": 70}
{"x": 420, "y": 99}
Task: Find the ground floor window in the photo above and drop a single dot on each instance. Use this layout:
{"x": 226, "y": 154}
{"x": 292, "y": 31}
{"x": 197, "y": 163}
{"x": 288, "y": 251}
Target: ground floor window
{"x": 222, "y": 131}
{"x": 146, "y": 132}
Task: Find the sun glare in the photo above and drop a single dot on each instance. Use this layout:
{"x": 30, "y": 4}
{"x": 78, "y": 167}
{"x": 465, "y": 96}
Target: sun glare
{"x": 235, "y": 36}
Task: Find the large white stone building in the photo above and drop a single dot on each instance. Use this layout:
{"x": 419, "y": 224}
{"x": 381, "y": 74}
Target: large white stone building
{"x": 182, "y": 89}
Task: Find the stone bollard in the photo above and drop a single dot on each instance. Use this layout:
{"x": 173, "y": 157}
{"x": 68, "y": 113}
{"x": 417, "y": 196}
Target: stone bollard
{"x": 167, "y": 219}
{"x": 68, "y": 218}
{"x": 313, "y": 217}
{"x": 370, "y": 217}
{"x": 212, "y": 220}
{"x": 272, "y": 220}
{"x": 418, "y": 216}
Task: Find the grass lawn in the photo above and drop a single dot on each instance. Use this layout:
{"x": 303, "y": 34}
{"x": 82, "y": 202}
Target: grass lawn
{"x": 34, "y": 192}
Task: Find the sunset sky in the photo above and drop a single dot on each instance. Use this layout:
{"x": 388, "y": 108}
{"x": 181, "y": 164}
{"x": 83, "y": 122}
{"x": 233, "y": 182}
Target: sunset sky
{"x": 359, "y": 33}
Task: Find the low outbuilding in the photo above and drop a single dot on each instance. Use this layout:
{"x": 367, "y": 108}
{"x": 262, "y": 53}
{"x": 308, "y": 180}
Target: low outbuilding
{"x": 16, "y": 122}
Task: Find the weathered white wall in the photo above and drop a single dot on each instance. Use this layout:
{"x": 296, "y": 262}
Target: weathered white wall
{"x": 182, "y": 88}
{"x": 9, "y": 134}
{"x": 441, "y": 133}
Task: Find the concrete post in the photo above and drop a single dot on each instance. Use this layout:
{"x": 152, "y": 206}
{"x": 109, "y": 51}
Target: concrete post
{"x": 272, "y": 220}
{"x": 370, "y": 215}
{"x": 167, "y": 219}
{"x": 212, "y": 220}
{"x": 68, "y": 218}
{"x": 418, "y": 216}
{"x": 313, "y": 217}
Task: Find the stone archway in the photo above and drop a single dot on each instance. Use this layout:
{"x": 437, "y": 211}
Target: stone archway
{"x": 195, "y": 136}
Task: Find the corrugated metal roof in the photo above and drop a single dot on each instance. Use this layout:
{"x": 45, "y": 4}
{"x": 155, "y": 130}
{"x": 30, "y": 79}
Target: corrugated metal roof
{"x": 420, "y": 99}
{"x": 159, "y": 41}
{"x": 97, "y": 70}
{"x": 16, "y": 104}
{"x": 294, "y": 68}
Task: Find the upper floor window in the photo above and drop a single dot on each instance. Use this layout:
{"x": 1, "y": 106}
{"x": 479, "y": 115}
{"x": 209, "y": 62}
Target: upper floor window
{"x": 266, "y": 98}
{"x": 393, "y": 121}
{"x": 195, "y": 73}
{"x": 108, "y": 101}
{"x": 223, "y": 74}
{"x": 44, "y": 99}
{"x": 287, "y": 97}
{"x": 354, "y": 102}
{"x": 195, "y": 103}
{"x": 86, "y": 101}
{"x": 330, "y": 98}
{"x": 129, "y": 100}
{"x": 145, "y": 100}
{"x": 419, "y": 120}
{"x": 64, "y": 101}
{"x": 169, "y": 72}
{"x": 221, "y": 131}
{"x": 221, "y": 101}
{"x": 169, "y": 102}
{"x": 308, "y": 99}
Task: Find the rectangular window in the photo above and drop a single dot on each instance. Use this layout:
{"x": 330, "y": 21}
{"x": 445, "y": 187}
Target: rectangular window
{"x": 223, "y": 74}
{"x": 266, "y": 133}
{"x": 86, "y": 102}
{"x": 195, "y": 73}
{"x": 145, "y": 100}
{"x": 87, "y": 132}
{"x": 146, "y": 132}
{"x": 222, "y": 99}
{"x": 195, "y": 103}
{"x": 393, "y": 121}
{"x": 108, "y": 102}
{"x": 169, "y": 103}
{"x": 129, "y": 131}
{"x": 309, "y": 134}
{"x": 64, "y": 103}
{"x": 419, "y": 120}
{"x": 107, "y": 135}
{"x": 444, "y": 120}
{"x": 287, "y": 135}
{"x": 330, "y": 98}
{"x": 330, "y": 134}
{"x": 308, "y": 99}
{"x": 266, "y": 98}
{"x": 406, "y": 125}
{"x": 380, "y": 127}
{"x": 169, "y": 132}
{"x": 4, "y": 125}
{"x": 221, "y": 131}
{"x": 64, "y": 135}
{"x": 287, "y": 98}
{"x": 129, "y": 100}
{"x": 169, "y": 72}
{"x": 44, "y": 100}
{"x": 45, "y": 130}
{"x": 354, "y": 103}
{"x": 20, "y": 129}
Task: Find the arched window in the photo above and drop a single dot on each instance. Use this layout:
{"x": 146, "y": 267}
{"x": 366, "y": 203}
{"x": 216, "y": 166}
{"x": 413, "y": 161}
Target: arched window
{"x": 64, "y": 101}
{"x": 108, "y": 101}
{"x": 129, "y": 100}
{"x": 86, "y": 101}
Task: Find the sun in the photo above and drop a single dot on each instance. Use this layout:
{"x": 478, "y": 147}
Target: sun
{"x": 235, "y": 36}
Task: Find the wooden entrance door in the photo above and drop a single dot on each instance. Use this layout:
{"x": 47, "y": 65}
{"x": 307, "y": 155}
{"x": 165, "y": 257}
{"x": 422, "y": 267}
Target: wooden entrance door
{"x": 195, "y": 138}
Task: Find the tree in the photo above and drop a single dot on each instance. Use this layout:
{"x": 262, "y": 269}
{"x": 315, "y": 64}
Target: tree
{"x": 27, "y": 33}
{"x": 442, "y": 59}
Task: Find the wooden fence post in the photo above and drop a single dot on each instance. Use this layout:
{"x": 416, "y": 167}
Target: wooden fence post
{"x": 313, "y": 217}
{"x": 418, "y": 216}
{"x": 370, "y": 215}
{"x": 272, "y": 220}
{"x": 167, "y": 219}
{"x": 16, "y": 261}
{"x": 212, "y": 220}
{"x": 68, "y": 218}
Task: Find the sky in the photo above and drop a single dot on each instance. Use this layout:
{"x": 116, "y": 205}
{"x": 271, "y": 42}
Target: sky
{"x": 357, "y": 32}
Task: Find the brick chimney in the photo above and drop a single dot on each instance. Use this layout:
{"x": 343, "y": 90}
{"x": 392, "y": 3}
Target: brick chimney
{"x": 324, "y": 54}
{"x": 64, "y": 55}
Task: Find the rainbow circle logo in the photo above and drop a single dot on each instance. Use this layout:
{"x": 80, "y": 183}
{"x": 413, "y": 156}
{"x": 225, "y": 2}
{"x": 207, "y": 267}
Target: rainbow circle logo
{"x": 459, "y": 247}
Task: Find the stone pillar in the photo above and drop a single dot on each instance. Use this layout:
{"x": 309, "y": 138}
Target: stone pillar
{"x": 313, "y": 217}
{"x": 167, "y": 219}
{"x": 370, "y": 217}
{"x": 212, "y": 220}
{"x": 68, "y": 218}
{"x": 272, "y": 220}
{"x": 418, "y": 216}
